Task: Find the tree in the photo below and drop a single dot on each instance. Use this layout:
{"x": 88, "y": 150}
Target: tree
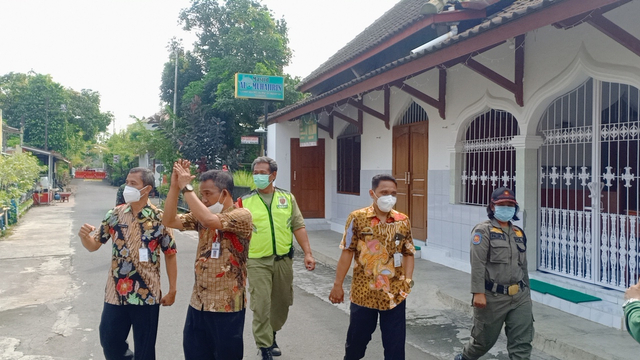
{"x": 240, "y": 36}
{"x": 119, "y": 146}
{"x": 205, "y": 140}
{"x": 17, "y": 175}
{"x": 61, "y": 118}
{"x": 190, "y": 69}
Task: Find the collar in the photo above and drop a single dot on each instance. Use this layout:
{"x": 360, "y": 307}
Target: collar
{"x": 393, "y": 215}
{"x": 230, "y": 208}
{"x": 147, "y": 205}
{"x": 496, "y": 224}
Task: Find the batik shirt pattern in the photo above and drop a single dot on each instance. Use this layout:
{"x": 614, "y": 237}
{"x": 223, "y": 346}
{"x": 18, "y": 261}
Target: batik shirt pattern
{"x": 376, "y": 282}
{"x": 220, "y": 282}
{"x": 132, "y": 281}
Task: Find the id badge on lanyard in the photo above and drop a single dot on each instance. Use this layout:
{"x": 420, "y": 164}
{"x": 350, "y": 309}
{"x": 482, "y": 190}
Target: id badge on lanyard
{"x": 215, "y": 250}
{"x": 144, "y": 254}
{"x": 397, "y": 257}
{"x": 215, "y": 247}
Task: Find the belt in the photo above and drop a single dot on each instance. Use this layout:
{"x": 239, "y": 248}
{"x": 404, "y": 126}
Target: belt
{"x": 281, "y": 257}
{"x": 504, "y": 289}
{"x": 287, "y": 255}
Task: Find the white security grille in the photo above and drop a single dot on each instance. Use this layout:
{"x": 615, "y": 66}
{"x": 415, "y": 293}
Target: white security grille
{"x": 588, "y": 219}
{"x": 414, "y": 114}
{"x": 489, "y": 156}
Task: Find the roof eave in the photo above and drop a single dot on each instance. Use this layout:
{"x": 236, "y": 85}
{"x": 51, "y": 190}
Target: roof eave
{"x": 444, "y": 17}
{"x": 553, "y": 13}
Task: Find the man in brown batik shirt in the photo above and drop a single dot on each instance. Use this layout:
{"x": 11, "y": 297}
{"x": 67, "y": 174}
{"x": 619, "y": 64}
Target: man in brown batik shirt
{"x": 215, "y": 318}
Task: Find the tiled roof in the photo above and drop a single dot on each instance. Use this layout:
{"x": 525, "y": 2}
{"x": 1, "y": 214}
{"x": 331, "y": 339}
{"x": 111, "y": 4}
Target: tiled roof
{"x": 512, "y": 12}
{"x": 403, "y": 14}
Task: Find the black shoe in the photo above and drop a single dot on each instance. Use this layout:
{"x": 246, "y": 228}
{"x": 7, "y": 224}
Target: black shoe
{"x": 266, "y": 353}
{"x": 275, "y": 349}
{"x": 459, "y": 357}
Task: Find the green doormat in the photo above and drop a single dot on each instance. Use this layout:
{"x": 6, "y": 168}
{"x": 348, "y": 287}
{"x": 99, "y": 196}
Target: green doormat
{"x": 562, "y": 293}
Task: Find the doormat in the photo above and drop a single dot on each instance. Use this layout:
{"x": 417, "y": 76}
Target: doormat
{"x": 562, "y": 293}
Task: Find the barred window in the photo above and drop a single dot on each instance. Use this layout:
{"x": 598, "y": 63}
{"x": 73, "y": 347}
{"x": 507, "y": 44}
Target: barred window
{"x": 489, "y": 158}
{"x": 349, "y": 160}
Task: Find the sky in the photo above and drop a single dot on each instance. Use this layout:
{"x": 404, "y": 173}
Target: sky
{"x": 119, "y": 47}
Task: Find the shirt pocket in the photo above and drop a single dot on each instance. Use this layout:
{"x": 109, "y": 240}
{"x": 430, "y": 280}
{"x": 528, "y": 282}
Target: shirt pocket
{"x": 500, "y": 252}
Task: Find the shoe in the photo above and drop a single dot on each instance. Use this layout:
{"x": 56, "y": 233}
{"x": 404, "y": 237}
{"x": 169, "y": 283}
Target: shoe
{"x": 275, "y": 349}
{"x": 459, "y": 357}
{"x": 266, "y": 353}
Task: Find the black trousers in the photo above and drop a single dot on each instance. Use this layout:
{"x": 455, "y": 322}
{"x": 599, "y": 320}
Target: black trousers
{"x": 362, "y": 323}
{"x": 213, "y": 335}
{"x": 115, "y": 324}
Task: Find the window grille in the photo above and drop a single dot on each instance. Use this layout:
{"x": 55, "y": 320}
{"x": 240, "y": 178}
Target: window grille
{"x": 489, "y": 158}
{"x": 349, "y": 150}
{"x": 589, "y": 191}
{"x": 415, "y": 113}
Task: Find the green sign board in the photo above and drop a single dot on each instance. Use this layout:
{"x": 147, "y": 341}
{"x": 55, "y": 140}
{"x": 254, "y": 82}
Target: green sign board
{"x": 308, "y": 130}
{"x": 262, "y": 87}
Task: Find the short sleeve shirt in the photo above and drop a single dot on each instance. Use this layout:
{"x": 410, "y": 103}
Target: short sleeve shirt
{"x": 220, "y": 282}
{"x": 131, "y": 280}
{"x": 376, "y": 282}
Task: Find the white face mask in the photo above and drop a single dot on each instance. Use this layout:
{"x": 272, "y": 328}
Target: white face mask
{"x": 217, "y": 207}
{"x": 385, "y": 203}
{"x": 131, "y": 194}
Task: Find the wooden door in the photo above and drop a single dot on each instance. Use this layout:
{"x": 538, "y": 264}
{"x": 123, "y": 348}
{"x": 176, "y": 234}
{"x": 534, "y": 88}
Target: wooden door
{"x": 307, "y": 178}
{"x": 410, "y": 168}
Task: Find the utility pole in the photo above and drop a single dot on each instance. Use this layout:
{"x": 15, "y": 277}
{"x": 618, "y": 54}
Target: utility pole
{"x": 175, "y": 88}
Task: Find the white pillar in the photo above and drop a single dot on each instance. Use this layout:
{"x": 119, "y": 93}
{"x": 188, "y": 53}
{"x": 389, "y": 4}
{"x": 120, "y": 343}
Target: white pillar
{"x": 527, "y": 188}
{"x": 456, "y": 162}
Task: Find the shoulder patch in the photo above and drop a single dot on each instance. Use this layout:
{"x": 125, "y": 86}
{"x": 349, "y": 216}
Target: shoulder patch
{"x": 477, "y": 238}
{"x": 517, "y": 231}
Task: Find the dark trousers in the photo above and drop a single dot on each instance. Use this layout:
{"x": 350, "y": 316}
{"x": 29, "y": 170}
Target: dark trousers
{"x": 213, "y": 335}
{"x": 362, "y": 323}
{"x": 115, "y": 324}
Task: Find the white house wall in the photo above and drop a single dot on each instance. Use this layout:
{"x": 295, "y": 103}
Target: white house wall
{"x": 556, "y": 61}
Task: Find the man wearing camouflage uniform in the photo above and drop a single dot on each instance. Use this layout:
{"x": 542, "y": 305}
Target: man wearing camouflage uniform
{"x": 500, "y": 282}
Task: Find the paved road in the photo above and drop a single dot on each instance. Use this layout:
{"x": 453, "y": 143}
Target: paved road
{"x": 52, "y": 289}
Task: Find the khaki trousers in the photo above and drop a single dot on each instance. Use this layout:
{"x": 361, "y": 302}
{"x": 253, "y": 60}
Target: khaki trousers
{"x": 271, "y": 294}
{"x": 516, "y": 315}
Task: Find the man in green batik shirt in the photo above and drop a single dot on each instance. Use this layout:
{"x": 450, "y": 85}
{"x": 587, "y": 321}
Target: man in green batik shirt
{"x": 632, "y": 310}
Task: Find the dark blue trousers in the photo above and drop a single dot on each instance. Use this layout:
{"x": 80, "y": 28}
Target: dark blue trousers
{"x": 213, "y": 335}
{"x": 115, "y": 324}
{"x": 363, "y": 322}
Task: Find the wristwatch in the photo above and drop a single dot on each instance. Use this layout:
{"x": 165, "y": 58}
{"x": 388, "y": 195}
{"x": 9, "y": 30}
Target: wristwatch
{"x": 629, "y": 301}
{"x": 410, "y": 282}
{"x": 187, "y": 188}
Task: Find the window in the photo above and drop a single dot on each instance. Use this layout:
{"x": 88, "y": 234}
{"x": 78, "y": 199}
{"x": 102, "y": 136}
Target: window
{"x": 349, "y": 161}
{"x": 489, "y": 158}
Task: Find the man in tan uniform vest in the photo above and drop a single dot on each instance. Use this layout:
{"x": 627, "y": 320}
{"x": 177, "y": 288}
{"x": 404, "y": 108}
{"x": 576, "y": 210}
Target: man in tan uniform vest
{"x": 500, "y": 282}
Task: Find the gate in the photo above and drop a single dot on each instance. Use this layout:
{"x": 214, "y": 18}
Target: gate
{"x": 589, "y": 169}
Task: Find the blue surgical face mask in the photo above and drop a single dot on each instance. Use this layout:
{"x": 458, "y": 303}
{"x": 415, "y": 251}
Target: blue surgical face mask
{"x": 261, "y": 180}
{"x": 504, "y": 213}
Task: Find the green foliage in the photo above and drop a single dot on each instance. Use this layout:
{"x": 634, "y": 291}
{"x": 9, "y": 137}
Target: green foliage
{"x": 120, "y": 144}
{"x": 243, "y": 178}
{"x": 17, "y": 175}
{"x": 67, "y": 119}
{"x": 238, "y": 36}
{"x": 63, "y": 176}
{"x": 158, "y": 142}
